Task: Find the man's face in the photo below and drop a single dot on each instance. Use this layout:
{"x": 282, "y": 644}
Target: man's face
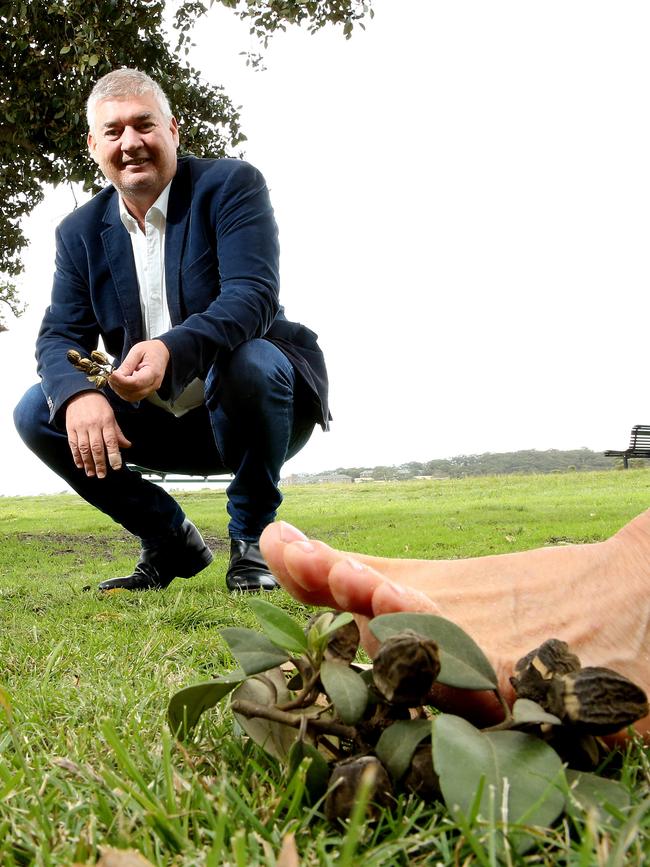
{"x": 134, "y": 146}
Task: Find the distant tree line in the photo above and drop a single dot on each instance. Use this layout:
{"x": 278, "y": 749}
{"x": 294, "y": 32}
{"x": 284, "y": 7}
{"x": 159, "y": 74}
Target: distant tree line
{"x": 490, "y": 464}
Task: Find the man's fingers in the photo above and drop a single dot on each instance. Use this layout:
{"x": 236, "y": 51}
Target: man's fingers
{"x": 87, "y": 453}
{"x": 114, "y": 440}
{"x": 94, "y": 436}
{"x": 76, "y": 455}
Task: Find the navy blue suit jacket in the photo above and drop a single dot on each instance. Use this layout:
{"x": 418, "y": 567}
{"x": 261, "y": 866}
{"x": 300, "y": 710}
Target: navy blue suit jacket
{"x": 221, "y": 270}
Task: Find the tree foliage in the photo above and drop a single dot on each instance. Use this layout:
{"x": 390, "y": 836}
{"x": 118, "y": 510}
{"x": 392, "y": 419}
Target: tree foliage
{"x": 488, "y": 464}
{"x": 51, "y": 53}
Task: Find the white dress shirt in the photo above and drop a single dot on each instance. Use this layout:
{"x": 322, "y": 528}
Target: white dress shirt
{"x": 149, "y": 254}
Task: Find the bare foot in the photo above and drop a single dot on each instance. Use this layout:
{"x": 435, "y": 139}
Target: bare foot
{"x": 595, "y": 597}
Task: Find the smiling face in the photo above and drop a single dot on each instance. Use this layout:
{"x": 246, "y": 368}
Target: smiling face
{"x": 134, "y": 145}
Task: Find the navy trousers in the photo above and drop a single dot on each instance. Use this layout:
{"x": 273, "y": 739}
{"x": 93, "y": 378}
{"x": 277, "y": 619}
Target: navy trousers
{"x": 257, "y": 415}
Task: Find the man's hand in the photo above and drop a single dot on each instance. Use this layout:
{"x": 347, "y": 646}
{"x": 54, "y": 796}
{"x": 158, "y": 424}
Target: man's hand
{"x": 142, "y": 371}
{"x": 93, "y": 433}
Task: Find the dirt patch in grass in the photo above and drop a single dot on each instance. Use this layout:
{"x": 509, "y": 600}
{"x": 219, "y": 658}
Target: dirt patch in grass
{"x": 90, "y": 544}
{"x": 101, "y": 546}
{"x": 217, "y": 543}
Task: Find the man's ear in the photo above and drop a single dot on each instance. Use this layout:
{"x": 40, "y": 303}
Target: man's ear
{"x": 173, "y": 125}
{"x": 91, "y": 147}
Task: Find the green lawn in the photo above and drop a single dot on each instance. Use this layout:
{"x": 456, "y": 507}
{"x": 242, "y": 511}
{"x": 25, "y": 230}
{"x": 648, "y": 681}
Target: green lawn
{"x": 85, "y": 755}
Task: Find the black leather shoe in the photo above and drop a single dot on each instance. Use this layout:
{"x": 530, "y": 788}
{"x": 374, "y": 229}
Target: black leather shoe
{"x": 181, "y": 554}
{"x": 247, "y": 570}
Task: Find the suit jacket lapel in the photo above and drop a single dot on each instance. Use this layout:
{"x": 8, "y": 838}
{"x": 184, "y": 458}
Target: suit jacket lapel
{"x": 178, "y": 211}
{"x": 117, "y": 247}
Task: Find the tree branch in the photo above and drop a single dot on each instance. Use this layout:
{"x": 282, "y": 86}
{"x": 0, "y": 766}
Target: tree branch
{"x": 249, "y": 709}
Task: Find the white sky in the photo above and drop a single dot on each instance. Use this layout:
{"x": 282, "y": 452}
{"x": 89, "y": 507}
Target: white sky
{"x": 463, "y": 195}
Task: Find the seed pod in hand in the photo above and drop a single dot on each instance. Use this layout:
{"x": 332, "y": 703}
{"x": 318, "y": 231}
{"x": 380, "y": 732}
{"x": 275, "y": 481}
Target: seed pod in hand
{"x": 101, "y": 380}
{"x": 405, "y": 668}
{"x": 85, "y": 364}
{"x": 344, "y": 784}
{"x": 73, "y": 356}
{"x": 597, "y": 700}
{"x": 534, "y": 672}
{"x": 421, "y": 779}
{"x": 99, "y": 357}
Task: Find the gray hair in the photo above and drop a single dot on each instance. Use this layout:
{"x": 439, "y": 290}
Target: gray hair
{"x": 122, "y": 83}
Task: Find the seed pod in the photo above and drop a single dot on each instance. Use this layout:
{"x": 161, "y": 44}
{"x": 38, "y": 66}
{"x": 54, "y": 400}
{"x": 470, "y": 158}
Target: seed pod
{"x": 344, "y": 784}
{"x": 421, "y": 779}
{"x": 73, "y": 356}
{"x": 101, "y": 380}
{"x": 99, "y": 357}
{"x": 405, "y": 668}
{"x": 597, "y": 700}
{"x": 342, "y": 645}
{"x": 534, "y": 672}
{"x": 85, "y": 364}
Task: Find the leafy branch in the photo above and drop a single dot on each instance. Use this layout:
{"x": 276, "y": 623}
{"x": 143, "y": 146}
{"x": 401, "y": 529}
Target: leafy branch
{"x": 300, "y": 695}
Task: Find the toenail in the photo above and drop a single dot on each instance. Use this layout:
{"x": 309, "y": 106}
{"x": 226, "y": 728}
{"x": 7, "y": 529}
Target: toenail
{"x": 289, "y": 533}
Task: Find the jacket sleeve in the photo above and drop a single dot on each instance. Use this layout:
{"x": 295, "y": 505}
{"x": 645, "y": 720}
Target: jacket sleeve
{"x": 244, "y": 241}
{"x": 69, "y": 323}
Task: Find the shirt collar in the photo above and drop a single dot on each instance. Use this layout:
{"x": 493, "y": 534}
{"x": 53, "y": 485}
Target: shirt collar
{"x": 159, "y": 206}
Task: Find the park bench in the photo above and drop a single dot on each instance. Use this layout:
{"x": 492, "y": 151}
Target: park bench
{"x": 639, "y": 445}
{"x": 158, "y": 476}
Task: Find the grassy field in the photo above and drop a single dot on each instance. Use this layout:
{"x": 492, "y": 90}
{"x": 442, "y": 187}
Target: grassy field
{"x": 86, "y": 759}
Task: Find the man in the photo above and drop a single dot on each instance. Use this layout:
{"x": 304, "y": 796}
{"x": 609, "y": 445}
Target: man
{"x": 175, "y": 267}
{"x": 596, "y": 597}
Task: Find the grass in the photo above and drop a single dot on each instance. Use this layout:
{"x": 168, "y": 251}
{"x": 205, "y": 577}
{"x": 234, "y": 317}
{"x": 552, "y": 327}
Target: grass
{"x": 86, "y": 759}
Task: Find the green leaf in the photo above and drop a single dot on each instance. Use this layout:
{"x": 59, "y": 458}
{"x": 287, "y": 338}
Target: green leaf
{"x": 187, "y": 705}
{"x": 398, "y": 742}
{"x": 346, "y": 689}
{"x": 253, "y": 651}
{"x": 462, "y": 662}
{"x": 340, "y": 620}
{"x": 318, "y": 772}
{"x": 520, "y": 777}
{"x": 266, "y": 689}
{"x": 526, "y": 711}
{"x": 280, "y": 627}
{"x": 590, "y": 792}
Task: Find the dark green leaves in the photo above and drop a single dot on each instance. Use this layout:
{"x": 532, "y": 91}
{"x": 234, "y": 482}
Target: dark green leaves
{"x": 462, "y": 662}
{"x": 529, "y": 712}
{"x": 253, "y": 651}
{"x": 318, "y": 771}
{"x": 346, "y": 689}
{"x": 279, "y": 626}
{"x": 187, "y": 705}
{"x": 519, "y": 777}
{"x": 398, "y": 742}
{"x": 590, "y": 793}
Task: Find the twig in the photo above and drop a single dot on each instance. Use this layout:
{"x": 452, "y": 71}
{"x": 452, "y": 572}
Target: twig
{"x": 250, "y": 709}
{"x": 304, "y": 695}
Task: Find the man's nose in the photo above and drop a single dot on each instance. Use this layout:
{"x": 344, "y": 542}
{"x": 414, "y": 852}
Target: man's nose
{"x": 131, "y": 139}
